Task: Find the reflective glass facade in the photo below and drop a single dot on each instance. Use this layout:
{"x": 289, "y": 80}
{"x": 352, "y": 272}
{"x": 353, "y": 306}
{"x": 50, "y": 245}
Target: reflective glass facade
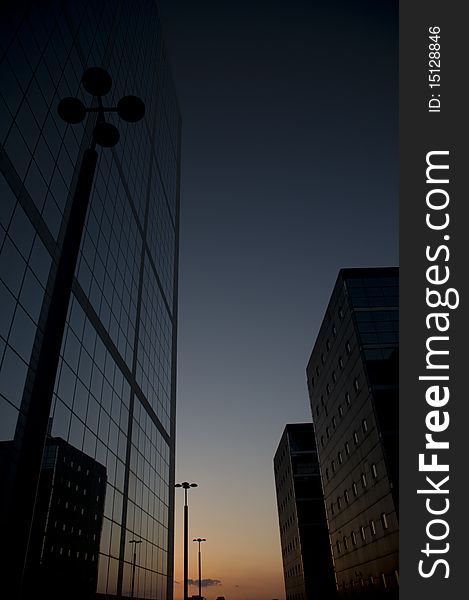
{"x": 354, "y": 390}
{"x": 68, "y": 522}
{"x": 114, "y": 397}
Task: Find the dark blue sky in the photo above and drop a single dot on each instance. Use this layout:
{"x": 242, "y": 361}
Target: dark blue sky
{"x": 289, "y": 172}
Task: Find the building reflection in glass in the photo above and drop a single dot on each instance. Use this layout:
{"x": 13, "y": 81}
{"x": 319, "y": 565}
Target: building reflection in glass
{"x": 65, "y": 540}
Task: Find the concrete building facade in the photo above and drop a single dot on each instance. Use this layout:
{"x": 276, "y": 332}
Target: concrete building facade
{"x": 307, "y": 560}
{"x": 352, "y": 377}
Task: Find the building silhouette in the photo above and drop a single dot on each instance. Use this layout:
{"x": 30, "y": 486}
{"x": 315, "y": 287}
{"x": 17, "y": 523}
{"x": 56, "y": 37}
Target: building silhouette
{"x": 306, "y": 554}
{"x": 353, "y": 387}
{"x": 114, "y": 397}
{"x": 66, "y": 535}
{"x": 66, "y": 532}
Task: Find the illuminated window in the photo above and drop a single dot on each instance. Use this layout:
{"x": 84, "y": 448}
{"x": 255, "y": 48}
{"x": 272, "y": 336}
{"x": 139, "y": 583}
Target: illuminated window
{"x": 384, "y": 521}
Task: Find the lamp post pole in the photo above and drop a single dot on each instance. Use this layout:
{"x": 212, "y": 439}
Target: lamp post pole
{"x": 135, "y": 542}
{"x": 32, "y": 426}
{"x": 200, "y": 540}
{"x": 186, "y": 485}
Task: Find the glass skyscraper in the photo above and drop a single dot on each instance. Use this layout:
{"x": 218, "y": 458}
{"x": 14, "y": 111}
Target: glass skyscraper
{"x": 114, "y": 397}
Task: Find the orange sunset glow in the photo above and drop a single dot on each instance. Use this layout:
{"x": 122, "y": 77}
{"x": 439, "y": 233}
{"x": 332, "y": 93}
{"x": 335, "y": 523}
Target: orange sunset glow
{"x": 242, "y": 551}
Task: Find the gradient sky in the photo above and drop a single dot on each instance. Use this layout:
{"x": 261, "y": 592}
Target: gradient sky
{"x": 289, "y": 172}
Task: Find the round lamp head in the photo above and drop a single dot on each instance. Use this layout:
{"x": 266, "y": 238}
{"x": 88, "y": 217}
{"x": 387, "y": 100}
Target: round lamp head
{"x": 106, "y": 135}
{"x": 131, "y": 109}
{"x": 71, "y": 110}
{"x": 96, "y": 81}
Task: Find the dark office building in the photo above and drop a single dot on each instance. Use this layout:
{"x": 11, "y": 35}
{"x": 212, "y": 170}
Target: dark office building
{"x": 114, "y": 397}
{"x": 353, "y": 385}
{"x": 66, "y": 536}
{"x": 306, "y": 553}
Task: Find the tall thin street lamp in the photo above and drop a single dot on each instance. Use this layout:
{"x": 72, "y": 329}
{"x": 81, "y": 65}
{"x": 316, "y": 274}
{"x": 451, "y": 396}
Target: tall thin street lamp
{"x": 135, "y": 542}
{"x": 200, "y": 540}
{"x": 185, "y": 485}
{"x": 33, "y": 423}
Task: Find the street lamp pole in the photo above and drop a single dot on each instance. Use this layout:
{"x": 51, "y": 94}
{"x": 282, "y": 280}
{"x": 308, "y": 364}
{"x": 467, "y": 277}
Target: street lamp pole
{"x": 31, "y": 432}
{"x": 200, "y": 540}
{"x": 133, "y": 564}
{"x": 186, "y": 485}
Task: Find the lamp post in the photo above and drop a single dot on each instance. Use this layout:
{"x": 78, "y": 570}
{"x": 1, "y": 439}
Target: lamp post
{"x": 133, "y": 564}
{"x": 200, "y": 540}
{"x": 33, "y": 423}
{"x": 185, "y": 485}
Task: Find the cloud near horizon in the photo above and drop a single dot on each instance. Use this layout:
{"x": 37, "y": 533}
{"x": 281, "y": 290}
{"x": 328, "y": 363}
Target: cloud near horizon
{"x": 205, "y": 582}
